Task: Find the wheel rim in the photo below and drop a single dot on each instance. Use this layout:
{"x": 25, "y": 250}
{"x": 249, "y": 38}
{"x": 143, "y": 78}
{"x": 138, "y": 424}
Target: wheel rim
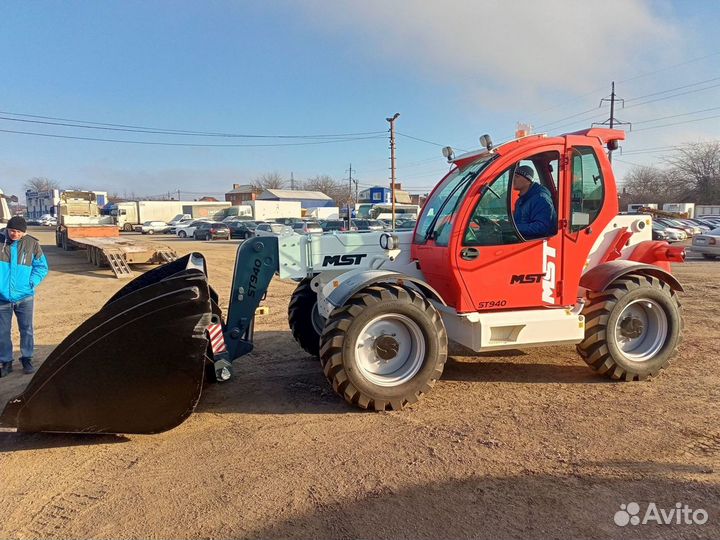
{"x": 641, "y": 330}
{"x": 318, "y": 322}
{"x": 390, "y": 350}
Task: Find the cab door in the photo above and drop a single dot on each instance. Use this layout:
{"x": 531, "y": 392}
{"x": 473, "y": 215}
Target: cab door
{"x": 499, "y": 268}
{"x": 589, "y": 204}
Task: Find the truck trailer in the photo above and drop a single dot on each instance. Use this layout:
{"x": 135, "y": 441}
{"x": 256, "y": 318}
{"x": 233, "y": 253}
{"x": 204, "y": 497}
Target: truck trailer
{"x": 129, "y": 214}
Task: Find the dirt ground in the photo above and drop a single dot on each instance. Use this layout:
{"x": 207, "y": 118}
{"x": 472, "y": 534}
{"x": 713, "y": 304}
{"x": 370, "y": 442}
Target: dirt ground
{"x": 519, "y": 444}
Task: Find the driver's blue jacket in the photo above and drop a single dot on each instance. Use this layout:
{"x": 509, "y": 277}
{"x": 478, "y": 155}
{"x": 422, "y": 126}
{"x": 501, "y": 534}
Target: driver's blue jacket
{"x": 535, "y": 215}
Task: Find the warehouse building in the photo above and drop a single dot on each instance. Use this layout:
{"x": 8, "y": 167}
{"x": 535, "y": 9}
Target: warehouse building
{"x": 307, "y": 199}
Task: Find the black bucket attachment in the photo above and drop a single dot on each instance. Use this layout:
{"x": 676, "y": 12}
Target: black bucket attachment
{"x": 137, "y": 366}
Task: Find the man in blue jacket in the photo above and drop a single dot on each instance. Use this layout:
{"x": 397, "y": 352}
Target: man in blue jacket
{"x": 22, "y": 267}
{"x": 534, "y": 215}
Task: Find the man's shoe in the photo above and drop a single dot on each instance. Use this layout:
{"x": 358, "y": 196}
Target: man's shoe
{"x": 28, "y": 368}
{"x": 5, "y": 368}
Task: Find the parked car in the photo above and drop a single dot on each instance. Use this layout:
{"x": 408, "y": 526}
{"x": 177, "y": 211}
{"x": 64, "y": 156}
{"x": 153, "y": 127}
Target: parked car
{"x": 659, "y": 234}
{"x": 307, "y": 227}
{"x": 172, "y": 229}
{"x": 340, "y": 225}
{"x": 242, "y": 229}
{"x": 405, "y": 225}
{"x": 34, "y": 221}
{"x": 152, "y": 227}
{"x": 273, "y": 229}
{"x": 689, "y": 230}
{"x": 48, "y": 220}
{"x": 673, "y": 234}
{"x": 188, "y": 229}
{"x": 210, "y": 230}
{"x": 286, "y": 220}
{"x": 367, "y": 225}
{"x": 708, "y": 244}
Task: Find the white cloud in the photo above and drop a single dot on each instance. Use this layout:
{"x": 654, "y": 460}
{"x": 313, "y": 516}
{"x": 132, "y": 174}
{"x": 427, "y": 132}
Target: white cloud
{"x": 509, "y": 51}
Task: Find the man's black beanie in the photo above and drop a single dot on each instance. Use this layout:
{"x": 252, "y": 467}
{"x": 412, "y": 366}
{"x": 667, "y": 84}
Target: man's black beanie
{"x": 18, "y": 223}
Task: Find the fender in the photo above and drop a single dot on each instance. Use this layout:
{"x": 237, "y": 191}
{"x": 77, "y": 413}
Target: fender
{"x": 351, "y": 282}
{"x": 599, "y": 278}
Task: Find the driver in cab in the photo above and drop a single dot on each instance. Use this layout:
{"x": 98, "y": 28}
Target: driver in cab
{"x": 534, "y": 214}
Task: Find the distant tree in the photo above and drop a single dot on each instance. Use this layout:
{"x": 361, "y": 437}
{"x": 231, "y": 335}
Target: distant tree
{"x": 271, "y": 180}
{"x": 338, "y": 191}
{"x": 40, "y": 183}
{"x": 697, "y": 167}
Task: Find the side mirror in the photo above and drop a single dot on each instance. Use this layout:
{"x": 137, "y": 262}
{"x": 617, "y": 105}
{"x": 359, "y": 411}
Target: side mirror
{"x": 612, "y": 145}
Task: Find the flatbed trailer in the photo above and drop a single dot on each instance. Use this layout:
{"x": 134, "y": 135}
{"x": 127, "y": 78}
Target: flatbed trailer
{"x": 105, "y": 247}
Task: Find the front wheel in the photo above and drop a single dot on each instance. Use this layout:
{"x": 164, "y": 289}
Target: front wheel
{"x": 384, "y": 349}
{"x": 128, "y": 227}
{"x": 632, "y": 328}
{"x": 182, "y": 234}
{"x": 306, "y": 323}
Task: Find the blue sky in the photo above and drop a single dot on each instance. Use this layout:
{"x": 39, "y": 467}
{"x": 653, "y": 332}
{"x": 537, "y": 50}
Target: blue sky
{"x": 453, "y": 69}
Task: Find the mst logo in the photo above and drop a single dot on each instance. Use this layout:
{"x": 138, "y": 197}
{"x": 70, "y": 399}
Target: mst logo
{"x": 343, "y": 260}
{"x": 547, "y": 277}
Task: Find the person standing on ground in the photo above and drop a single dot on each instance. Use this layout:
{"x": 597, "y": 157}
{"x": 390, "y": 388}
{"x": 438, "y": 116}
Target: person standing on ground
{"x": 22, "y": 267}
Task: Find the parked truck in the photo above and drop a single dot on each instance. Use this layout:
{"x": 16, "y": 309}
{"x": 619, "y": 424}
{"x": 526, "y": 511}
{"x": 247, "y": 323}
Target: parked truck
{"x": 636, "y": 207}
{"x": 129, "y": 214}
{"x": 685, "y": 209}
{"x": 323, "y": 212}
{"x": 707, "y": 210}
{"x": 82, "y": 226}
{"x": 4, "y": 208}
{"x": 265, "y": 210}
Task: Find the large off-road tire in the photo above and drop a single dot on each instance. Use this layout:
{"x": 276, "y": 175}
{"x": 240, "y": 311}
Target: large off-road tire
{"x": 306, "y": 323}
{"x": 632, "y": 328}
{"x": 384, "y": 349}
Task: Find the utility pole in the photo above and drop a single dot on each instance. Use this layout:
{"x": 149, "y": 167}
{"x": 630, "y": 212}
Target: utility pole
{"x": 292, "y": 181}
{"x": 612, "y": 121}
{"x": 349, "y": 197}
{"x": 178, "y": 192}
{"x": 392, "y": 164}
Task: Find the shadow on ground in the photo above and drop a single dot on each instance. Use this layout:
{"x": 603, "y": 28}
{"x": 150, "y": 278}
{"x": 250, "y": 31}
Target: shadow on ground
{"x": 523, "y": 506}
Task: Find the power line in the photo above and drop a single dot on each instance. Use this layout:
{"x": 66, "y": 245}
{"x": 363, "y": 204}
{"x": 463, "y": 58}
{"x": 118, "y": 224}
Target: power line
{"x": 676, "y": 115}
{"x": 167, "y": 131}
{"x": 155, "y": 143}
{"x": 673, "y": 96}
{"x": 642, "y": 75}
{"x": 679, "y": 123}
{"x": 670, "y": 67}
{"x": 673, "y": 89}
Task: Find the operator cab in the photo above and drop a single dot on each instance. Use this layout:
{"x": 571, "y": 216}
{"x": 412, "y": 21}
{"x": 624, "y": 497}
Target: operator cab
{"x": 482, "y": 246}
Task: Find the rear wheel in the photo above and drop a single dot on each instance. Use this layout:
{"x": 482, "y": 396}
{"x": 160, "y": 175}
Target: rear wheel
{"x": 306, "y": 323}
{"x": 384, "y": 349}
{"x": 182, "y": 234}
{"x": 632, "y": 328}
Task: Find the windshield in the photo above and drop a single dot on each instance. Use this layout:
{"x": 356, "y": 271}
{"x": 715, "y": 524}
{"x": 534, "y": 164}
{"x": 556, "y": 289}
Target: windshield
{"x": 436, "y": 217}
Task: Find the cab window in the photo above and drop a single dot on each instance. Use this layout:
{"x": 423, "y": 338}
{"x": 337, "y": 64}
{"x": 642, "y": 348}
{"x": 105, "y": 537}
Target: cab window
{"x": 493, "y": 220}
{"x": 588, "y": 188}
{"x": 490, "y": 223}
